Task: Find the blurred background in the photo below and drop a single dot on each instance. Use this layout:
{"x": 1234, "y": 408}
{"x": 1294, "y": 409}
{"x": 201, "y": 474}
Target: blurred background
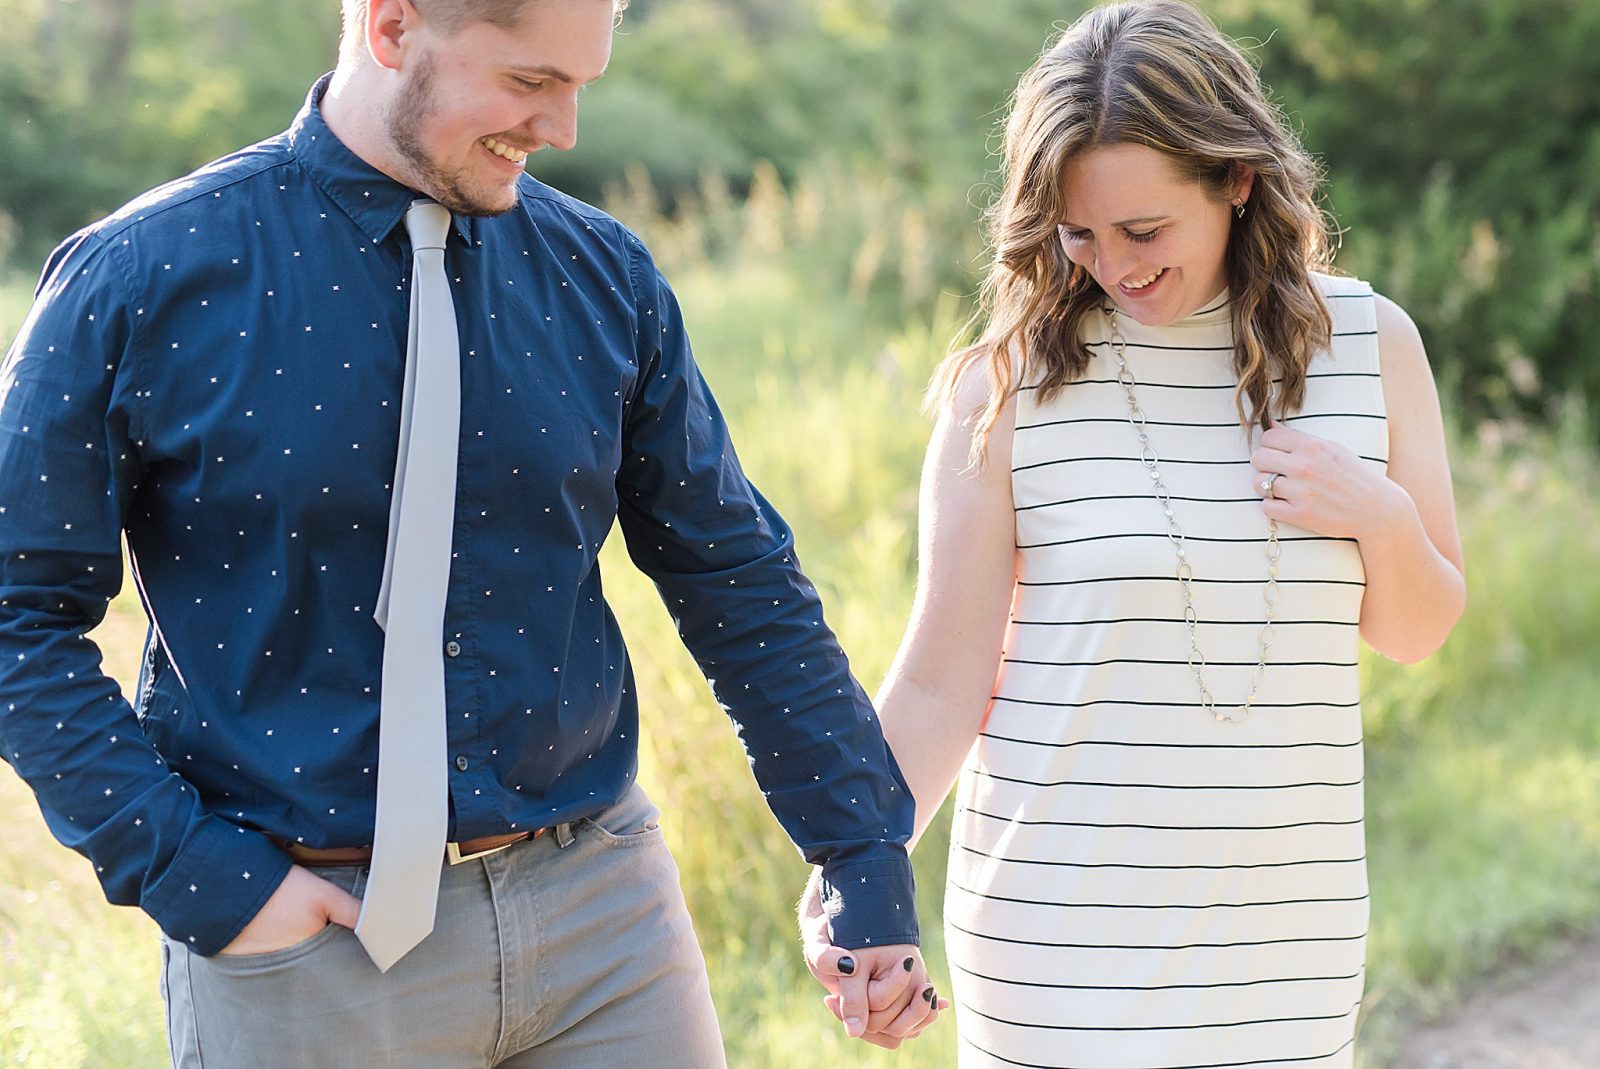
{"x": 810, "y": 174}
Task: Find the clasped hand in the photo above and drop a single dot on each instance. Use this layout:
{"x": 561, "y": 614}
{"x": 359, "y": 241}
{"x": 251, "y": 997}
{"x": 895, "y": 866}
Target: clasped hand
{"x": 882, "y": 994}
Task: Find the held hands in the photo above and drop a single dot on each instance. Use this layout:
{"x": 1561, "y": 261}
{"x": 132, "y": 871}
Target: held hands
{"x": 1321, "y": 486}
{"x": 301, "y": 907}
{"x": 882, "y": 994}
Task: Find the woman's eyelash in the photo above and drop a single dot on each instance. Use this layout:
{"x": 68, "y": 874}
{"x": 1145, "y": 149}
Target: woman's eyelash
{"x": 1141, "y": 238}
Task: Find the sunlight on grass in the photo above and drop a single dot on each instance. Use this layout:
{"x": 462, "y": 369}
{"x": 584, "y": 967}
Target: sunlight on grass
{"x": 77, "y": 977}
{"x": 1483, "y": 762}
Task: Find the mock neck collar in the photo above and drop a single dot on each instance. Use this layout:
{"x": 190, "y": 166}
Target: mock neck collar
{"x": 1217, "y": 312}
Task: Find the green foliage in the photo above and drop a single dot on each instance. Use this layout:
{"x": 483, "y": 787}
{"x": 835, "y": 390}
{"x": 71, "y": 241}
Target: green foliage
{"x": 809, "y": 173}
{"x": 630, "y": 123}
{"x": 1461, "y": 140}
{"x": 100, "y": 99}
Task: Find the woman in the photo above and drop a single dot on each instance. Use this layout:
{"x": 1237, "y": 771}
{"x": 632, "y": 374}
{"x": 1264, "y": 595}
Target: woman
{"x": 1193, "y": 469}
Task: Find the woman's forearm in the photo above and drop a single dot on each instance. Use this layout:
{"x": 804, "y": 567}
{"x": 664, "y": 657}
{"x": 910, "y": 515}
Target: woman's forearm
{"x": 1414, "y": 593}
{"x": 931, "y": 730}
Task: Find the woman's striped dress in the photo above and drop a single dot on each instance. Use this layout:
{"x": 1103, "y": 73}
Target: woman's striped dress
{"x": 1134, "y": 885}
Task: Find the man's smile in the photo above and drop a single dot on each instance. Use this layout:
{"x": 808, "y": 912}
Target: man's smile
{"x": 500, "y": 148}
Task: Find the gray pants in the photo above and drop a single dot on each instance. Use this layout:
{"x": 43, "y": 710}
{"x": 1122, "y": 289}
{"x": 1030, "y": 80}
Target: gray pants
{"x": 542, "y": 958}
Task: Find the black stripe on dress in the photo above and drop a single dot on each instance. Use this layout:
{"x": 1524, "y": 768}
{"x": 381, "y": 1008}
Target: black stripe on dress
{"x": 1170, "y": 786}
{"x": 1170, "y": 578}
{"x": 1216, "y": 386}
{"x": 1137, "y": 497}
{"x": 1209, "y": 1065}
{"x": 1141, "y": 946}
{"x": 1249, "y": 540}
{"x": 1153, "y": 660}
{"x": 1168, "y": 460}
{"x": 1149, "y": 905}
{"x": 1162, "y": 827}
{"x": 1156, "y": 1027}
{"x": 1128, "y": 459}
{"x": 1164, "y": 705}
{"x": 1157, "y": 987}
{"x": 1163, "y": 868}
{"x": 1173, "y": 745}
{"x": 1230, "y": 425}
{"x": 1176, "y": 620}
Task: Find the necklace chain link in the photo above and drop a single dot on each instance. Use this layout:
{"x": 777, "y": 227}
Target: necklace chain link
{"x": 1185, "y": 571}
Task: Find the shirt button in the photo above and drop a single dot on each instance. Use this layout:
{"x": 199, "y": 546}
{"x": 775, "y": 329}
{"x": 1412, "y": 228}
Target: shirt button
{"x": 452, "y": 648}
{"x": 461, "y": 763}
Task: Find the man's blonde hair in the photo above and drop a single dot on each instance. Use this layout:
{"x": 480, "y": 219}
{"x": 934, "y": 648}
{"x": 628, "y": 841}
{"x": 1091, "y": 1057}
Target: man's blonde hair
{"x": 454, "y": 15}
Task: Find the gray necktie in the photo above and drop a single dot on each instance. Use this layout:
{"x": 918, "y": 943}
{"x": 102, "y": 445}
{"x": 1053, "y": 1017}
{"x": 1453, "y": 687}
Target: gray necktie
{"x": 408, "y": 843}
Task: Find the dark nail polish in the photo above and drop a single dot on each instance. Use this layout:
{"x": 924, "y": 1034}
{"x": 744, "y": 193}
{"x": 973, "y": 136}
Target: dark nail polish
{"x": 908, "y": 963}
{"x": 928, "y": 995}
{"x": 847, "y": 966}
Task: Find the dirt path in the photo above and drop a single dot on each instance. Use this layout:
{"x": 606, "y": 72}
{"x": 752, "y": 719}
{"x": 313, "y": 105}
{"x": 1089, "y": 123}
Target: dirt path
{"x": 1543, "y": 1019}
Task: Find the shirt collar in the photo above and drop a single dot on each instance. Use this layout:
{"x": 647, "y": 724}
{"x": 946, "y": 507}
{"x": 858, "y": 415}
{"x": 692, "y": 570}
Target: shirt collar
{"x": 374, "y": 202}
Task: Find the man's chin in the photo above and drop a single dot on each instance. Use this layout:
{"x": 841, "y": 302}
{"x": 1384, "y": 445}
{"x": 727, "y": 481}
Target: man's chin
{"x": 462, "y": 195}
{"x": 482, "y": 204}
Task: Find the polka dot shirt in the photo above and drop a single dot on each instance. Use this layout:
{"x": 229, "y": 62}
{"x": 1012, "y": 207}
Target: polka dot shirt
{"x": 216, "y": 371}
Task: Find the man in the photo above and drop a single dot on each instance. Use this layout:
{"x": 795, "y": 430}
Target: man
{"x": 365, "y": 450}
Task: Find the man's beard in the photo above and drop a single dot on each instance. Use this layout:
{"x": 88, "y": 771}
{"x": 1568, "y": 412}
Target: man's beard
{"x": 409, "y": 112}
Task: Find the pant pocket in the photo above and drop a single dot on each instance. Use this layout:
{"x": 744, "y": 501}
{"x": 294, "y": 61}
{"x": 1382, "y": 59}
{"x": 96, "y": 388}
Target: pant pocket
{"x": 348, "y": 878}
{"x": 230, "y": 1012}
{"x": 633, "y": 821}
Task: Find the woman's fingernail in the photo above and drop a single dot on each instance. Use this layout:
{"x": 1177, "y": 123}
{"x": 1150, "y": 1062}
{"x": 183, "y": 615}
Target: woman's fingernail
{"x": 908, "y": 963}
{"x": 847, "y": 966}
{"x": 928, "y": 994}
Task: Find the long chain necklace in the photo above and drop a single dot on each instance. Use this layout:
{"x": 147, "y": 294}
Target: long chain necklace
{"x": 1269, "y": 592}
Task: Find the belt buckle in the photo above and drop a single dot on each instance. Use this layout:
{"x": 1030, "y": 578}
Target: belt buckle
{"x": 454, "y": 856}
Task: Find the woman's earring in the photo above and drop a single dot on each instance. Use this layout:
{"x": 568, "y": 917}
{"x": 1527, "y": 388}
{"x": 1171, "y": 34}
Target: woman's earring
{"x": 1238, "y": 208}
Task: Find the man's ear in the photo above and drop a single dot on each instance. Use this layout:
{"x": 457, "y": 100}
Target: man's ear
{"x": 389, "y": 32}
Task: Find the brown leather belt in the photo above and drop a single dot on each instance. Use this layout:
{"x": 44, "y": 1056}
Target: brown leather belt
{"x": 455, "y": 853}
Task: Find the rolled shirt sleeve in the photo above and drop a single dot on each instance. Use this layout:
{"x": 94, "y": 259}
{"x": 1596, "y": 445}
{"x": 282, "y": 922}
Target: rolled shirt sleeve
{"x": 724, "y": 563}
{"x": 69, "y": 473}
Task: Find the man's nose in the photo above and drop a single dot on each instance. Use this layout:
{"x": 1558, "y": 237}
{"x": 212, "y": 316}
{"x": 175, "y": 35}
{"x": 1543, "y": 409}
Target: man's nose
{"x": 557, "y": 126}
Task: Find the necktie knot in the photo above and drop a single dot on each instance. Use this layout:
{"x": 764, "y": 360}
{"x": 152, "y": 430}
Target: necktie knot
{"x": 427, "y": 223}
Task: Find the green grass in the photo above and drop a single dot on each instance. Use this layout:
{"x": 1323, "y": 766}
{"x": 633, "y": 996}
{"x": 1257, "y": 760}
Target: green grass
{"x": 77, "y": 977}
{"x": 1483, "y": 763}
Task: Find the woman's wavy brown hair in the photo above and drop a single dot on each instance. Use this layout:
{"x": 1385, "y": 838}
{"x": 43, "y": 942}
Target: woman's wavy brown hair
{"x": 1154, "y": 73}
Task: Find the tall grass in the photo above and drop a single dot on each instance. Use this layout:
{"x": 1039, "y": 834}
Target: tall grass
{"x": 1484, "y": 761}
{"x": 818, "y": 314}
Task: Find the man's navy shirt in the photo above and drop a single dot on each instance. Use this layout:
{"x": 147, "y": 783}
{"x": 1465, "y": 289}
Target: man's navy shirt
{"x": 217, "y": 369}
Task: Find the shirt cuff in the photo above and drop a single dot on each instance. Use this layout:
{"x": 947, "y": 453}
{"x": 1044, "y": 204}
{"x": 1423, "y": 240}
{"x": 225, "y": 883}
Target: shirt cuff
{"x": 218, "y": 882}
{"x": 871, "y": 903}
